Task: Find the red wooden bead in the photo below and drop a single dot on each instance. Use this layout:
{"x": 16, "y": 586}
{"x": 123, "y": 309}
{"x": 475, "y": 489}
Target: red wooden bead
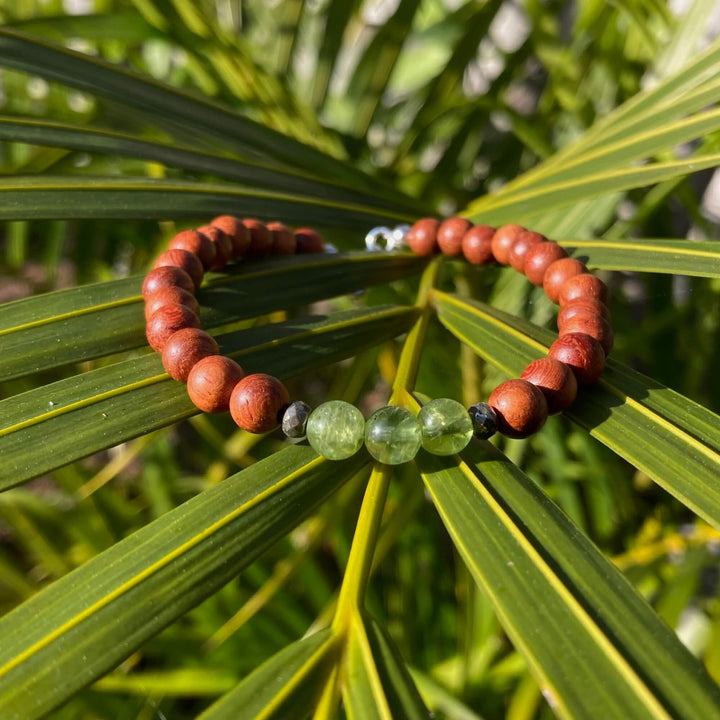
{"x": 422, "y": 237}
{"x": 222, "y": 244}
{"x": 257, "y": 403}
{"x": 165, "y": 277}
{"x": 450, "y": 235}
{"x": 557, "y": 275}
{"x": 195, "y": 242}
{"x": 582, "y": 353}
{"x": 556, "y": 381}
{"x": 184, "y": 349}
{"x": 211, "y": 382}
{"x": 173, "y": 295}
{"x": 539, "y": 258}
{"x": 236, "y": 231}
{"x": 519, "y": 249}
{"x": 520, "y": 406}
{"x": 168, "y": 320}
{"x": 582, "y": 306}
{"x": 477, "y": 244}
{"x": 260, "y": 237}
{"x": 584, "y": 285}
{"x": 502, "y": 240}
{"x": 187, "y": 261}
{"x": 284, "y": 242}
{"x": 308, "y": 241}
{"x": 592, "y": 325}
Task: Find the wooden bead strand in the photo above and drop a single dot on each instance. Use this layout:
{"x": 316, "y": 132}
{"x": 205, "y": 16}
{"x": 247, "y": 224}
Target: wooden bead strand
{"x": 259, "y": 402}
{"x": 519, "y": 408}
{"x": 216, "y": 383}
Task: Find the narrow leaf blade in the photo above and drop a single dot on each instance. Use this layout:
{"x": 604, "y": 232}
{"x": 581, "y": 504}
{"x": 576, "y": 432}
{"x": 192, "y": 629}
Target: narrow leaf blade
{"x": 104, "y": 407}
{"x": 168, "y": 106}
{"x": 62, "y": 639}
{"x": 47, "y": 331}
{"x": 669, "y": 437}
{"x": 72, "y": 197}
{"x": 594, "y": 645}
{"x": 286, "y": 685}
{"x": 676, "y": 257}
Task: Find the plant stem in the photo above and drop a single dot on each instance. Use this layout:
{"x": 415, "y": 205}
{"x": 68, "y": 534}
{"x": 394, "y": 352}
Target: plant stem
{"x": 410, "y": 356}
{"x": 357, "y": 573}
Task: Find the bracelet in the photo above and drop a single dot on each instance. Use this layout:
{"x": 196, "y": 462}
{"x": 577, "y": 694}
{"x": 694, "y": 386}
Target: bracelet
{"x": 259, "y": 402}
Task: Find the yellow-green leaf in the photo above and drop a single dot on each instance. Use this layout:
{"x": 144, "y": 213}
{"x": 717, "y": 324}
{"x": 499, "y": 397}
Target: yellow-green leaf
{"x": 287, "y": 685}
{"x": 677, "y": 257}
{"x": 50, "y": 330}
{"x": 103, "y": 407}
{"x": 84, "y": 624}
{"x": 595, "y": 647}
{"x": 669, "y": 437}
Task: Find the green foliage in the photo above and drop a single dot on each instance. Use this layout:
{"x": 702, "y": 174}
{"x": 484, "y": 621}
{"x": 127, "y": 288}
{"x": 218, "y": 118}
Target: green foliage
{"x": 156, "y": 562}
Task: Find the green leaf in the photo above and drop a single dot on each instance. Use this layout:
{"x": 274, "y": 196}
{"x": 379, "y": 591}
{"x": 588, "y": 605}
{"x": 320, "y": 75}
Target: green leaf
{"x": 595, "y": 647}
{"x": 440, "y": 700}
{"x": 257, "y": 175}
{"x": 337, "y": 18}
{"x": 55, "y": 329}
{"x": 217, "y": 62}
{"x": 646, "y": 124}
{"x": 81, "y": 626}
{"x": 124, "y": 26}
{"x": 190, "y": 682}
{"x": 104, "y": 407}
{"x": 169, "y": 107}
{"x": 68, "y": 196}
{"x": 377, "y": 683}
{"x": 286, "y": 685}
{"x": 531, "y": 202}
{"x": 653, "y": 106}
{"x": 288, "y": 20}
{"x": 672, "y": 439}
{"x": 374, "y": 68}
{"x": 676, "y": 257}
{"x": 474, "y": 20}
{"x": 642, "y": 144}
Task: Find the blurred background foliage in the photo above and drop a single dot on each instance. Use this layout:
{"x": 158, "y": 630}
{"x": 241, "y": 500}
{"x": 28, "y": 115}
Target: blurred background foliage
{"x": 445, "y": 102}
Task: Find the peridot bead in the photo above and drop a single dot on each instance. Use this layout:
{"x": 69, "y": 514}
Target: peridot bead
{"x": 446, "y": 426}
{"x": 392, "y": 435}
{"x": 335, "y": 429}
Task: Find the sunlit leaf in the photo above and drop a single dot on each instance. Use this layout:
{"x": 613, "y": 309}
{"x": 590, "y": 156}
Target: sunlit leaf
{"x": 43, "y": 332}
{"x": 104, "y": 407}
{"x": 287, "y": 685}
{"x": 378, "y": 684}
{"x": 594, "y": 645}
{"x": 672, "y": 439}
{"x": 677, "y": 257}
{"x": 84, "y": 624}
{"x": 67, "y": 196}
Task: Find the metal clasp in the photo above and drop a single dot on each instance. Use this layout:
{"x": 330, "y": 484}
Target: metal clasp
{"x": 383, "y": 238}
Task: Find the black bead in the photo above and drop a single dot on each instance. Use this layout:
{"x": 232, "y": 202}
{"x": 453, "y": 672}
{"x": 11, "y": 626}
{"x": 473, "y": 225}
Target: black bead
{"x": 295, "y": 418}
{"x": 484, "y": 420}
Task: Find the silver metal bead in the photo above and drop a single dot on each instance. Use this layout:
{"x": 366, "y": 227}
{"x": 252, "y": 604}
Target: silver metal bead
{"x": 397, "y": 238}
{"x": 378, "y": 238}
{"x": 330, "y": 248}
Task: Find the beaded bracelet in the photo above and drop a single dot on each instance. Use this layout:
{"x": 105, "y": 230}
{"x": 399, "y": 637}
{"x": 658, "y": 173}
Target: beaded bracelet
{"x": 392, "y": 435}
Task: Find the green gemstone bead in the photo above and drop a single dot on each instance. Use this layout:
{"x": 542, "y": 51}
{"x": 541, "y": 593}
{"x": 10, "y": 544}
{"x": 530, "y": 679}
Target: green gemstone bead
{"x": 392, "y": 435}
{"x": 335, "y": 429}
{"x": 446, "y": 426}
